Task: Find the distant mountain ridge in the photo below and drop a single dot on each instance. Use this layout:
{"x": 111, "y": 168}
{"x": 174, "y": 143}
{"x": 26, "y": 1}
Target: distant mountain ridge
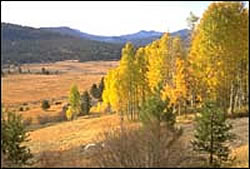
{"x": 23, "y": 44}
{"x": 140, "y": 38}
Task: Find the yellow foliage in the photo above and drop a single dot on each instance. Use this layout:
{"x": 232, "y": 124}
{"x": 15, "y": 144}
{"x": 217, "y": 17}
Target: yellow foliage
{"x": 69, "y": 113}
{"x": 100, "y": 107}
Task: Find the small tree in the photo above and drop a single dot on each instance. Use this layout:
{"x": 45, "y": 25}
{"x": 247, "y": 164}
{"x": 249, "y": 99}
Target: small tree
{"x": 94, "y": 91}
{"x": 101, "y": 88}
{"x": 211, "y": 134}
{"x": 45, "y": 105}
{"x": 75, "y": 100}
{"x": 86, "y": 103}
{"x": 20, "y": 70}
{"x": 13, "y": 135}
{"x": 43, "y": 70}
{"x": 69, "y": 113}
{"x": 155, "y": 110}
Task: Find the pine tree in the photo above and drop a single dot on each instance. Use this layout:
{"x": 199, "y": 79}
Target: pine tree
{"x": 86, "y": 103}
{"x": 211, "y": 134}
{"x": 94, "y": 91}
{"x": 13, "y": 135}
{"x": 101, "y": 88}
{"x": 75, "y": 100}
{"x": 45, "y": 105}
{"x": 155, "y": 110}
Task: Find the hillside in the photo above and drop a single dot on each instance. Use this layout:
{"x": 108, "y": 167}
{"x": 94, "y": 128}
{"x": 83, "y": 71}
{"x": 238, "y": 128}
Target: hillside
{"x": 29, "y": 45}
{"x": 68, "y": 145}
{"x": 22, "y": 44}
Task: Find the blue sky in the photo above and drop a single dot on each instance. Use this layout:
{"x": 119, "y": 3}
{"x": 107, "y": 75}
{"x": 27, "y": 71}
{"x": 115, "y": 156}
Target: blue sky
{"x": 103, "y": 18}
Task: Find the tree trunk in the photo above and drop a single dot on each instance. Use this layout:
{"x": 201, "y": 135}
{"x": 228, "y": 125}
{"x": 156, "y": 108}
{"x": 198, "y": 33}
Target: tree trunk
{"x": 236, "y": 98}
{"x": 231, "y": 101}
{"x": 179, "y": 109}
{"x": 192, "y": 101}
{"x": 212, "y": 141}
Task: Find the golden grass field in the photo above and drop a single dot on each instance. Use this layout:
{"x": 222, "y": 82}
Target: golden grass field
{"x": 62, "y": 140}
{"x": 18, "y": 89}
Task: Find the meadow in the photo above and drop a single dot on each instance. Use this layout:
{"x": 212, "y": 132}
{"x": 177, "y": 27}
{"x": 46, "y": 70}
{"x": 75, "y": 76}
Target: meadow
{"x": 29, "y": 90}
{"x": 60, "y": 144}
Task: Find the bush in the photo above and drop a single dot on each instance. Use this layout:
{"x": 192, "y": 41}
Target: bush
{"x": 45, "y": 105}
{"x": 58, "y": 102}
{"x": 85, "y": 104}
{"x": 21, "y": 109}
{"x": 13, "y": 135}
{"x": 139, "y": 148}
{"x": 69, "y": 113}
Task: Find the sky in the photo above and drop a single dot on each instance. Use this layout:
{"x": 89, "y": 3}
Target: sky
{"x": 110, "y": 18}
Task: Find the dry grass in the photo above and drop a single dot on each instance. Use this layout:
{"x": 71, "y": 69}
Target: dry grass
{"x": 66, "y": 138}
{"x": 33, "y": 88}
{"x": 242, "y": 157}
{"x": 61, "y": 142}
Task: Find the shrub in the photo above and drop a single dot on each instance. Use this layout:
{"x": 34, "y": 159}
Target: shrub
{"x": 13, "y": 135}
{"x": 94, "y": 91}
{"x": 21, "y": 109}
{"x": 58, "y": 102}
{"x": 139, "y": 148}
{"x": 69, "y": 113}
{"x": 45, "y": 105}
{"x": 85, "y": 104}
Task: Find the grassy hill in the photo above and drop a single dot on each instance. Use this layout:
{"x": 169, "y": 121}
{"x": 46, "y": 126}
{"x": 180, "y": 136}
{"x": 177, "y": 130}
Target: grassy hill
{"x": 59, "y": 148}
{"x": 29, "y": 45}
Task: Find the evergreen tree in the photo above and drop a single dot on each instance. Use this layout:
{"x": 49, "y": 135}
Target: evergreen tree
{"x": 86, "y": 103}
{"x": 13, "y": 135}
{"x": 101, "y": 88}
{"x": 94, "y": 91}
{"x": 211, "y": 134}
{"x": 155, "y": 110}
{"x": 45, "y": 104}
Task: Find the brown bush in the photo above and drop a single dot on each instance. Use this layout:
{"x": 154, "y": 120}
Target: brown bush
{"x": 140, "y": 147}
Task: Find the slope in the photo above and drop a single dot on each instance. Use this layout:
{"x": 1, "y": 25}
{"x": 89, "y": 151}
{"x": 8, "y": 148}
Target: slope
{"x": 29, "y": 45}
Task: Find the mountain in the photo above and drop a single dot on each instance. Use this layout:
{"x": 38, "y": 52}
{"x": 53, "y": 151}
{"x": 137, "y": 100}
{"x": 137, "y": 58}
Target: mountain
{"x": 140, "y": 38}
{"x": 21, "y": 44}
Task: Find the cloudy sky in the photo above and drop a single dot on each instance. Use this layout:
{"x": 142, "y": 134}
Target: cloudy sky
{"x": 103, "y": 18}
